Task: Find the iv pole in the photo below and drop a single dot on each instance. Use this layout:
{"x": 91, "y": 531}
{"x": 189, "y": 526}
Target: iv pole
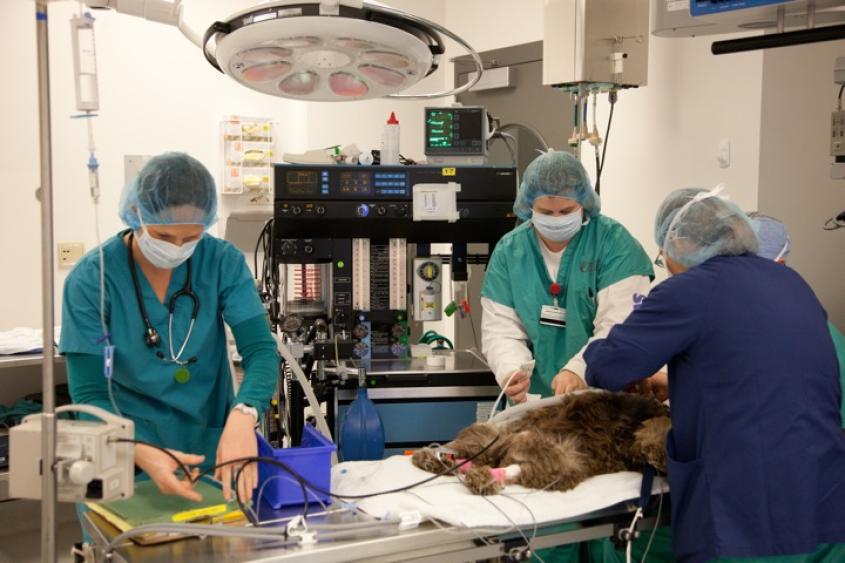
{"x": 45, "y": 196}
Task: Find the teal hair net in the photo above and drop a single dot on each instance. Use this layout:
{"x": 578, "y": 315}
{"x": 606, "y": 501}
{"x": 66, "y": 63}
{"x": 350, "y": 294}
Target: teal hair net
{"x": 171, "y": 189}
{"x": 772, "y": 236}
{"x": 694, "y": 225}
{"x": 559, "y": 174}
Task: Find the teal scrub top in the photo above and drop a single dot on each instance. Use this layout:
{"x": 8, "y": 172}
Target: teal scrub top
{"x": 184, "y": 416}
{"x": 839, "y": 344}
{"x": 600, "y": 255}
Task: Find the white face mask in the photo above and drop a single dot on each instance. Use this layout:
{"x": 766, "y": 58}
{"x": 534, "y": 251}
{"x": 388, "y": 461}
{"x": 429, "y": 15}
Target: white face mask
{"x": 560, "y": 228}
{"x": 163, "y": 254}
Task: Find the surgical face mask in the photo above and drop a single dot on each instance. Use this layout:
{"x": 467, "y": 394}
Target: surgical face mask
{"x": 163, "y": 254}
{"x": 560, "y": 228}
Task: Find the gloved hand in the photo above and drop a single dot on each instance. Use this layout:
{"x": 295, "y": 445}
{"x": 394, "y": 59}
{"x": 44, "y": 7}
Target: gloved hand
{"x": 162, "y": 470}
{"x": 517, "y": 389}
{"x": 566, "y": 382}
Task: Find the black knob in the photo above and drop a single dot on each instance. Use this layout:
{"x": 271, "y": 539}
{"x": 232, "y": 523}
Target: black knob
{"x": 320, "y": 209}
{"x": 288, "y": 248}
{"x": 402, "y": 210}
{"x": 308, "y": 249}
{"x": 339, "y": 318}
{"x": 296, "y": 210}
{"x": 381, "y": 210}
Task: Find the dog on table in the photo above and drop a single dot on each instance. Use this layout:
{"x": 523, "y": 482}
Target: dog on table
{"x": 558, "y": 446}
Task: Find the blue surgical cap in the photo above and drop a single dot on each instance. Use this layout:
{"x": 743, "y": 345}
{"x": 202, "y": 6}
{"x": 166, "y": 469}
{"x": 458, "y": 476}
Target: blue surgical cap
{"x": 557, "y": 174}
{"x": 772, "y": 236}
{"x": 694, "y": 225}
{"x": 171, "y": 189}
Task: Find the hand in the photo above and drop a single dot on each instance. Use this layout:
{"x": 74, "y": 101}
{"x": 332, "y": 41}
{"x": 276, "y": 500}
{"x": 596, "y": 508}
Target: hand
{"x": 656, "y": 386}
{"x": 566, "y": 382}
{"x": 517, "y": 389}
{"x": 238, "y": 441}
{"x": 161, "y": 468}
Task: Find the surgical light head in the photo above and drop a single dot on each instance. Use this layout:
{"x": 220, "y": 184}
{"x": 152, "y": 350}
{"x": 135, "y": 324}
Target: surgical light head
{"x": 772, "y": 235}
{"x": 171, "y": 189}
{"x": 694, "y": 225}
{"x": 556, "y": 174}
{"x": 325, "y": 51}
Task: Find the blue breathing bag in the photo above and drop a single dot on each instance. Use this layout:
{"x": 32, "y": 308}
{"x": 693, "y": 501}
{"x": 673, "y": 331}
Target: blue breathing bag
{"x": 362, "y": 432}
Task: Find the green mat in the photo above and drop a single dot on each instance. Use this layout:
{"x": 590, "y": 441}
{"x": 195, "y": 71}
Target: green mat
{"x": 150, "y": 506}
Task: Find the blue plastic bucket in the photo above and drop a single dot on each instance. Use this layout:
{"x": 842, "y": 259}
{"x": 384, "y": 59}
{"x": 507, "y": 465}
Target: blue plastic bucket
{"x": 312, "y": 460}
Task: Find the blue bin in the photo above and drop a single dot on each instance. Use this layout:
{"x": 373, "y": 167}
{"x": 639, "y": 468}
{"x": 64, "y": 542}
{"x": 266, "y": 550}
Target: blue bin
{"x": 312, "y": 460}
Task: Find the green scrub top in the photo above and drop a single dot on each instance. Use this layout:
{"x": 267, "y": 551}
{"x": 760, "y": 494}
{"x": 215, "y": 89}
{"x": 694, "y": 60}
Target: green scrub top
{"x": 185, "y": 416}
{"x": 600, "y": 255}
{"x": 839, "y": 343}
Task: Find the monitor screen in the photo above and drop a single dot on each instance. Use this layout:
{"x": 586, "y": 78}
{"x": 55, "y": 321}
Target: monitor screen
{"x": 457, "y": 131}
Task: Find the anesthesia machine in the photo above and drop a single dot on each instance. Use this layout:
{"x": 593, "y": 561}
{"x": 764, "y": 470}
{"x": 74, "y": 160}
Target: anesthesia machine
{"x": 356, "y": 277}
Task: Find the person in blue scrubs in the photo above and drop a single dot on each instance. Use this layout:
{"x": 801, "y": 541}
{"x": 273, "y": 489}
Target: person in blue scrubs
{"x": 776, "y": 245}
{"x": 169, "y": 289}
{"x": 756, "y": 454}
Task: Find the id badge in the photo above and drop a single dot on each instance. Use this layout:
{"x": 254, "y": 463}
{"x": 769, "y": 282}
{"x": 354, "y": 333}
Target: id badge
{"x": 553, "y": 316}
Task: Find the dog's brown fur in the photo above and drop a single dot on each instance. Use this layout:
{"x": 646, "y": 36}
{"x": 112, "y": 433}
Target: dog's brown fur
{"x": 559, "y": 446}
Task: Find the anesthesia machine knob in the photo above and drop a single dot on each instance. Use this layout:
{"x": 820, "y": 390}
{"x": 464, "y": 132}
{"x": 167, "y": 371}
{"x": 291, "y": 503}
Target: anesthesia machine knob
{"x": 308, "y": 249}
{"x": 320, "y": 209}
{"x": 381, "y": 210}
{"x": 362, "y": 210}
{"x": 288, "y": 248}
{"x": 296, "y": 210}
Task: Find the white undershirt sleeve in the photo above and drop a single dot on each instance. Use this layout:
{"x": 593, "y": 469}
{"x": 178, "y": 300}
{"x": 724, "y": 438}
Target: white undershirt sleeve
{"x": 504, "y": 341}
{"x": 615, "y": 303}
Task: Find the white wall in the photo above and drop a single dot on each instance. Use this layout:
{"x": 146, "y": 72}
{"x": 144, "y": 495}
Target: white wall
{"x": 795, "y": 183}
{"x": 157, "y": 93}
{"x": 664, "y": 135}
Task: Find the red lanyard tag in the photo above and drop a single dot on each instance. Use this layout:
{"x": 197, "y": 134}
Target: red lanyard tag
{"x": 554, "y": 289}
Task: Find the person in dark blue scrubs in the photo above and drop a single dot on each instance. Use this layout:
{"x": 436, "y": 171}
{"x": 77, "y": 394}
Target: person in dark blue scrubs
{"x": 756, "y": 454}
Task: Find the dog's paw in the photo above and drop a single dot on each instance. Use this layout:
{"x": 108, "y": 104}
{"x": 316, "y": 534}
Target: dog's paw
{"x": 480, "y": 481}
{"x": 427, "y": 460}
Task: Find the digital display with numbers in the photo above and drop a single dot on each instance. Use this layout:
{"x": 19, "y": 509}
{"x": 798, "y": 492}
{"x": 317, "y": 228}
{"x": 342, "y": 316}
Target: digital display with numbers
{"x": 355, "y": 183}
{"x": 455, "y": 131}
{"x": 302, "y": 182}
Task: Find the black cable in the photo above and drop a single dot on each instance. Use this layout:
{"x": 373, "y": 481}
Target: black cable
{"x": 170, "y": 454}
{"x": 598, "y": 172}
{"x": 840, "y": 91}
{"x": 305, "y": 483}
{"x": 612, "y": 96}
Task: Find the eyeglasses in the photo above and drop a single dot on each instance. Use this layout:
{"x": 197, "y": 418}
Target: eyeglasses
{"x": 658, "y": 260}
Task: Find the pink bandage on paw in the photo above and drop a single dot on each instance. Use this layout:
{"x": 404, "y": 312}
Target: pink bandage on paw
{"x": 502, "y": 474}
{"x": 465, "y": 467}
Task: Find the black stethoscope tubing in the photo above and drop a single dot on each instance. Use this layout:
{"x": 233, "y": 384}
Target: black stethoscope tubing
{"x": 152, "y": 338}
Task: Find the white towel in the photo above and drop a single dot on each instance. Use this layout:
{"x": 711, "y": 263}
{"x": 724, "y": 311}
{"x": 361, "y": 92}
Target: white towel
{"x": 450, "y": 501}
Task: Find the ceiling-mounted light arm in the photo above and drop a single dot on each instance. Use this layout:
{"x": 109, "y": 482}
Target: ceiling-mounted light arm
{"x": 479, "y": 65}
{"x": 168, "y": 12}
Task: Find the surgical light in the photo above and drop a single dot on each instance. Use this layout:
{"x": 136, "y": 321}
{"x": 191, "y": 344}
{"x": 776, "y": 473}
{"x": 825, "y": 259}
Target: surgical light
{"x": 318, "y": 50}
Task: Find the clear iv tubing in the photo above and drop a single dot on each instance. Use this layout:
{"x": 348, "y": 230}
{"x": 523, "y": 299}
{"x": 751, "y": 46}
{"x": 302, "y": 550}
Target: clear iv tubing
{"x": 293, "y": 363}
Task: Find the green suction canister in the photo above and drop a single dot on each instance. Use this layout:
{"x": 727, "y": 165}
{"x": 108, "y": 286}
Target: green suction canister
{"x": 362, "y": 432}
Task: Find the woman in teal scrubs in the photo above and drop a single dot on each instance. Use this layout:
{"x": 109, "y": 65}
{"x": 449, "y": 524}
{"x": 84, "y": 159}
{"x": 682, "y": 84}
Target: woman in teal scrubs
{"x": 563, "y": 278}
{"x": 169, "y": 287}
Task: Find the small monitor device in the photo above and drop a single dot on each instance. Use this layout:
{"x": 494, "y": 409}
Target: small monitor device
{"x": 456, "y": 134}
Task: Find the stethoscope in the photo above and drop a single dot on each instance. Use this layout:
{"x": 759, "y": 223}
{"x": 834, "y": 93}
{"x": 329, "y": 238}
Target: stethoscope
{"x": 152, "y": 338}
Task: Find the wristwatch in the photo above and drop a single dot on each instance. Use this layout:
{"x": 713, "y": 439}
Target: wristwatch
{"x": 246, "y": 409}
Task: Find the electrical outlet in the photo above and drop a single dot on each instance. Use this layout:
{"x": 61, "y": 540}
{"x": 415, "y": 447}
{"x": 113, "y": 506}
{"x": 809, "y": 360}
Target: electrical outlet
{"x": 70, "y": 253}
